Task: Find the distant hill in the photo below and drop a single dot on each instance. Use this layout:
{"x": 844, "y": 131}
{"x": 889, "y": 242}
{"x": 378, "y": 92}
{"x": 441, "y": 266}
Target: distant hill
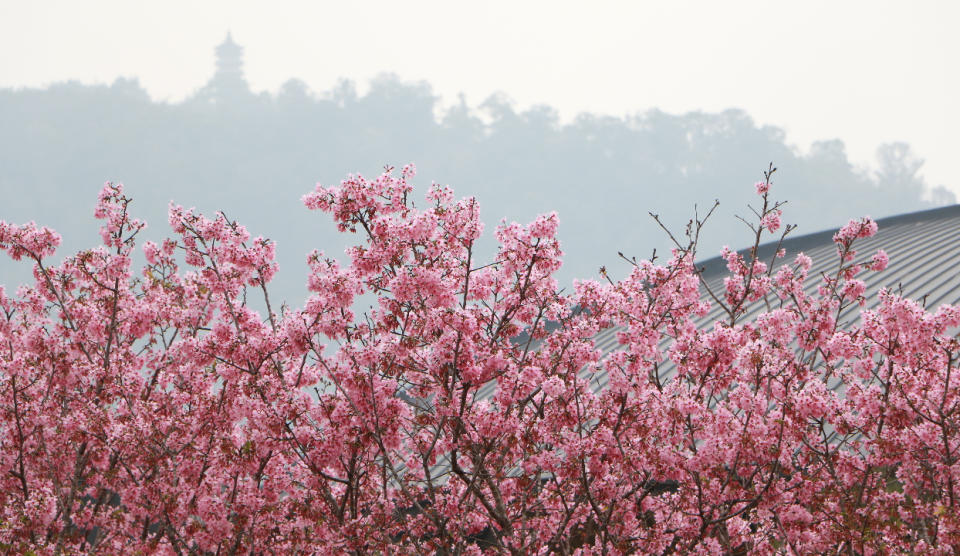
{"x": 253, "y": 156}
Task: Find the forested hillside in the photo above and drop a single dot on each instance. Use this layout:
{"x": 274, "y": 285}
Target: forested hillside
{"x": 254, "y": 156}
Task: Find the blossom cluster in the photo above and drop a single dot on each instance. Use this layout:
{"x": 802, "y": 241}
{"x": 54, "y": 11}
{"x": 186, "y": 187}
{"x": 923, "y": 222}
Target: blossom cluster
{"x": 471, "y": 409}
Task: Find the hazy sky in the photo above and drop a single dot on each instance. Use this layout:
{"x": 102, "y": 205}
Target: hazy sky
{"x": 865, "y": 72}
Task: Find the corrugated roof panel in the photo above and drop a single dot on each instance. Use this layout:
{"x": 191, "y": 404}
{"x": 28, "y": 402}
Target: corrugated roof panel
{"x": 924, "y": 251}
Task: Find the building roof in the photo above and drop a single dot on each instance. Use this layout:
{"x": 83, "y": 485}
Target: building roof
{"x": 923, "y": 248}
{"x": 924, "y": 251}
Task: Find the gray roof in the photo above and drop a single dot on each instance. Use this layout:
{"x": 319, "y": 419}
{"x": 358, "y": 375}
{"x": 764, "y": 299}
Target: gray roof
{"x": 923, "y": 248}
{"x": 924, "y": 251}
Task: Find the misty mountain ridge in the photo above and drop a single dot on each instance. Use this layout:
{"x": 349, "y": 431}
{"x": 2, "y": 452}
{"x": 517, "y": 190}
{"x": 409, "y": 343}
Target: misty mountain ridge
{"x": 254, "y": 155}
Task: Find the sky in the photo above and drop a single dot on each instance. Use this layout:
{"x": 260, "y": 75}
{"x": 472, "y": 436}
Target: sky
{"x": 864, "y": 72}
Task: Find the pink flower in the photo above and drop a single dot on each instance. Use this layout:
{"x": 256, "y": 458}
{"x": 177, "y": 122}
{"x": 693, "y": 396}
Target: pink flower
{"x": 771, "y": 220}
{"x": 879, "y": 261}
{"x": 862, "y": 228}
{"x": 478, "y": 386}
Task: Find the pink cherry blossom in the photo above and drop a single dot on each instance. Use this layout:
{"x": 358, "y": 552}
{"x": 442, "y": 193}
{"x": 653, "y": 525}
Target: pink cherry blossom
{"x": 477, "y": 407}
{"x": 771, "y": 220}
{"x": 880, "y": 261}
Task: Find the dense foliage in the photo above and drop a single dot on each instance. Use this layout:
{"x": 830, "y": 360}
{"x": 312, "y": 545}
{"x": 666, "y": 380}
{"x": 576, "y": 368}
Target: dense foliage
{"x": 157, "y": 411}
{"x": 251, "y": 156}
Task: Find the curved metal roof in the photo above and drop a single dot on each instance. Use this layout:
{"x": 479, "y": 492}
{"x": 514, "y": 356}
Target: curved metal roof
{"x": 924, "y": 251}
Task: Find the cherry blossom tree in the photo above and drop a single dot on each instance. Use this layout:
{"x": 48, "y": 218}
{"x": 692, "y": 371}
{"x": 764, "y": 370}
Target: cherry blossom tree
{"x": 470, "y": 409}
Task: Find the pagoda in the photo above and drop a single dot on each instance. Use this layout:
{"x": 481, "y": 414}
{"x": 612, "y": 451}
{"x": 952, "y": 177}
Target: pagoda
{"x": 228, "y": 84}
